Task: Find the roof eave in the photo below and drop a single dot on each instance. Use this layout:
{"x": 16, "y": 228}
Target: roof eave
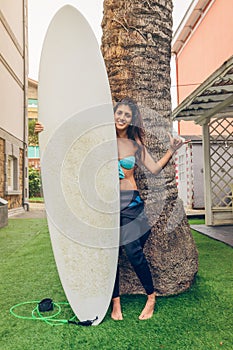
{"x": 191, "y": 17}
{"x": 192, "y": 107}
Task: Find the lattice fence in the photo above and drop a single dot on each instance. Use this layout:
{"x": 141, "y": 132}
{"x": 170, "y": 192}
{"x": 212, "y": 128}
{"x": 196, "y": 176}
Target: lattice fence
{"x": 221, "y": 162}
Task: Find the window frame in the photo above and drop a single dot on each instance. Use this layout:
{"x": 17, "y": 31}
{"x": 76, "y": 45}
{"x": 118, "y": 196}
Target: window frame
{"x": 12, "y": 172}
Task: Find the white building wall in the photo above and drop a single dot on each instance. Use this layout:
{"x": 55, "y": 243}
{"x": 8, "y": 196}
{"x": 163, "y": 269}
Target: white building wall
{"x": 13, "y": 102}
{"x": 12, "y": 70}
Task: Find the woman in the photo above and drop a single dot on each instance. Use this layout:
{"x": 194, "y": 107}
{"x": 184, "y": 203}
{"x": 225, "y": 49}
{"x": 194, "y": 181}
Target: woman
{"x": 134, "y": 226}
{"x": 131, "y": 149}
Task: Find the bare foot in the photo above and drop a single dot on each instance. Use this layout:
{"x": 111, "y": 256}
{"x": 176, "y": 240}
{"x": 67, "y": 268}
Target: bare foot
{"x": 116, "y": 314}
{"x": 148, "y": 310}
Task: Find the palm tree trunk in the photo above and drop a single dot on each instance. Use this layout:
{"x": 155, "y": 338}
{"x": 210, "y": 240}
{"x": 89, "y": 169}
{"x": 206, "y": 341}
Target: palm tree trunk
{"x": 136, "y": 46}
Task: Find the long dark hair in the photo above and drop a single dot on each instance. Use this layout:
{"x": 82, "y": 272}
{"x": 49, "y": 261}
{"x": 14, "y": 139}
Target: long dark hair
{"x": 135, "y": 130}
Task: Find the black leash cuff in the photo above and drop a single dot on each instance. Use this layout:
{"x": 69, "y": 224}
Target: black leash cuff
{"x": 83, "y": 323}
{"x": 45, "y": 305}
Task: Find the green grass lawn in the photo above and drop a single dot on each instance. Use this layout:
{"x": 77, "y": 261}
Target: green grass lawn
{"x": 199, "y": 319}
{"x": 36, "y": 199}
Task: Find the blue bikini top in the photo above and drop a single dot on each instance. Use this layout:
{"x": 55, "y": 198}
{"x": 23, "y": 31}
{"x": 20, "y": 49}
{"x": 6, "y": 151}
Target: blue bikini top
{"x": 126, "y": 163}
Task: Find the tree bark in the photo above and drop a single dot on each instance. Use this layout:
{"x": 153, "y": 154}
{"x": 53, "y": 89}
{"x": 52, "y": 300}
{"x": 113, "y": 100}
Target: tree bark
{"x": 136, "y": 46}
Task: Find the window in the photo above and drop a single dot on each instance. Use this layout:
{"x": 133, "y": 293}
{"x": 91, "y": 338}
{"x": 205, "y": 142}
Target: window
{"x": 33, "y": 152}
{"x": 12, "y": 173}
{"x": 12, "y": 169}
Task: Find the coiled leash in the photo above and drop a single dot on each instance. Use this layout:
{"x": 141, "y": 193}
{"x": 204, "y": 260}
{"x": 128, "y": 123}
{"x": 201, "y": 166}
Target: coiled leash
{"x": 46, "y": 305}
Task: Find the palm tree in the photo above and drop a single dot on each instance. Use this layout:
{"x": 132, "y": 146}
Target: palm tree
{"x": 136, "y": 46}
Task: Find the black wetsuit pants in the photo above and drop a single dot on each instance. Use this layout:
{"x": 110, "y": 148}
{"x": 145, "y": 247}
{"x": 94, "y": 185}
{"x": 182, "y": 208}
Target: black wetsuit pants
{"x": 134, "y": 232}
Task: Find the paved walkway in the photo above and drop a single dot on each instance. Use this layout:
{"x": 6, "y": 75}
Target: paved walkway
{"x": 219, "y": 233}
{"x": 222, "y": 233}
{"x": 36, "y": 211}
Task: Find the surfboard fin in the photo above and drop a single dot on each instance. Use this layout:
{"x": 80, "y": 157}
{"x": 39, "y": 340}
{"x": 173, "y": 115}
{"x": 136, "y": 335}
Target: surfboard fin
{"x": 83, "y": 323}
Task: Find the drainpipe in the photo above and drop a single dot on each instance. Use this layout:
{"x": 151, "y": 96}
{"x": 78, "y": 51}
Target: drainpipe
{"x": 177, "y": 88}
{"x": 174, "y": 54}
{"x": 25, "y": 202}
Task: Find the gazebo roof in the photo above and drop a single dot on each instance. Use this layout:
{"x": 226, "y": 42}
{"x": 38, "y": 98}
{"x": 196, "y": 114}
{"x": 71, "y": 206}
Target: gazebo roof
{"x": 213, "y": 96}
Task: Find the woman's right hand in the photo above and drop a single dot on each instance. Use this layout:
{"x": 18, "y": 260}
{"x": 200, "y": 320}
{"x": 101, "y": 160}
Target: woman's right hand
{"x": 38, "y": 127}
{"x": 176, "y": 143}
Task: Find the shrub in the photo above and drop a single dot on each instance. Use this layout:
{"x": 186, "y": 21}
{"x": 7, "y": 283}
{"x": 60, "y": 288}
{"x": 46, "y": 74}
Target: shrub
{"x": 32, "y": 136}
{"x": 34, "y": 183}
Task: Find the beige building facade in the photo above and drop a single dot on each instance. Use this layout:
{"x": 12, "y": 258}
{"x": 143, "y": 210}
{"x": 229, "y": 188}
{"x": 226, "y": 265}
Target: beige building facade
{"x": 13, "y": 104}
{"x": 33, "y": 150}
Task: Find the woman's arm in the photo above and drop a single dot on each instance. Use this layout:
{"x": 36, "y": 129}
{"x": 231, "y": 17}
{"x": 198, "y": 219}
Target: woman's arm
{"x": 156, "y": 167}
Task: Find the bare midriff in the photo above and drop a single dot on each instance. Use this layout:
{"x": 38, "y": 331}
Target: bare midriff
{"x": 128, "y": 183}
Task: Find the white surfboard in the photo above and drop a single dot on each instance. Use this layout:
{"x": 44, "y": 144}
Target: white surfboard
{"x": 79, "y": 163}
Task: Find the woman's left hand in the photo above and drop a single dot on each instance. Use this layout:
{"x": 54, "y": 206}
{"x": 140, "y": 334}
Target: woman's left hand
{"x": 176, "y": 143}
